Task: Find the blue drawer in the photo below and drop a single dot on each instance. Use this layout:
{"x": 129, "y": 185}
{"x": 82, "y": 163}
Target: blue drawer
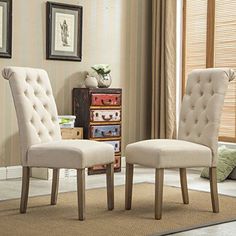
{"x": 105, "y": 131}
{"x": 115, "y": 144}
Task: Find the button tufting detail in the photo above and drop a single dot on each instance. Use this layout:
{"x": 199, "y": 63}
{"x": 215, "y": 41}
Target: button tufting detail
{"x": 32, "y": 93}
{"x": 202, "y": 106}
{"x": 50, "y": 132}
{"x": 45, "y": 106}
{"x": 39, "y": 80}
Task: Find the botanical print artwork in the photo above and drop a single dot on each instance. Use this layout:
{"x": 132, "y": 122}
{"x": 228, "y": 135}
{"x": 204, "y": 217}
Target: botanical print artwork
{"x": 64, "y": 32}
{"x": 1, "y": 26}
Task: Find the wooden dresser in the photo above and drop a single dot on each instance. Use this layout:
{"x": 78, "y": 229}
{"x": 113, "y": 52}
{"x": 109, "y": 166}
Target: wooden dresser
{"x": 98, "y": 111}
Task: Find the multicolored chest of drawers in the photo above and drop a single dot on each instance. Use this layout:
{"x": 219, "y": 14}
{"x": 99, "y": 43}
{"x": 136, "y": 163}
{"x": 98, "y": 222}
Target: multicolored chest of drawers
{"x": 98, "y": 111}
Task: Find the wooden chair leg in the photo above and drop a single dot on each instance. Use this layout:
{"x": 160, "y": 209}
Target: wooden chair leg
{"x": 110, "y": 186}
{"x": 25, "y": 189}
{"x": 128, "y": 185}
{"x": 81, "y": 193}
{"x": 55, "y": 184}
{"x": 184, "y": 186}
{"x": 159, "y": 193}
{"x": 214, "y": 191}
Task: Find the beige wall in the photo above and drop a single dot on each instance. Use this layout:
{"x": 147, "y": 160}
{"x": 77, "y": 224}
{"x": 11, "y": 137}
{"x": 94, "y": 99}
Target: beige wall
{"x": 114, "y": 31}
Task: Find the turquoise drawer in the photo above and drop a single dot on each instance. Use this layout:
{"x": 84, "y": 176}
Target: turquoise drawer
{"x": 105, "y": 131}
{"x": 115, "y": 144}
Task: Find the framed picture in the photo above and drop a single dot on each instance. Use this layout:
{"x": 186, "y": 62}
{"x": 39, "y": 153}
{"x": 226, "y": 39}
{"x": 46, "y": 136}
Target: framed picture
{"x": 64, "y": 31}
{"x": 5, "y": 28}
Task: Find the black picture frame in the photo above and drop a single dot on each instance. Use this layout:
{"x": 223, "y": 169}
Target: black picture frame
{"x": 62, "y": 21}
{"x": 6, "y": 29}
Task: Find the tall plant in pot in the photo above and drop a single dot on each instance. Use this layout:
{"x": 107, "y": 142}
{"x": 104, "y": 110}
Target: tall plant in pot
{"x": 104, "y": 77}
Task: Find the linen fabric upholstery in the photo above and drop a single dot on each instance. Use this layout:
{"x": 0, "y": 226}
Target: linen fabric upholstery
{"x": 70, "y": 154}
{"x": 35, "y": 106}
{"x": 198, "y": 127}
{"x": 168, "y": 153}
{"x": 202, "y": 105}
{"x": 39, "y": 127}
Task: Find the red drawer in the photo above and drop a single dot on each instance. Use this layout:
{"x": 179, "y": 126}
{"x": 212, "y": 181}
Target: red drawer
{"x": 106, "y": 99}
{"x": 102, "y": 168}
{"x": 117, "y": 163}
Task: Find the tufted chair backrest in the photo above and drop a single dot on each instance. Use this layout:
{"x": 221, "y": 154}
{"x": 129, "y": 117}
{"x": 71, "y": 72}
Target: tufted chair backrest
{"x": 35, "y": 107}
{"x": 202, "y": 105}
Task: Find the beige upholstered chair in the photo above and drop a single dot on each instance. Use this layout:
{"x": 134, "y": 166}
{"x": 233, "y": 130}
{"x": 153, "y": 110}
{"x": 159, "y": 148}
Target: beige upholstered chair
{"x": 40, "y": 137}
{"x": 197, "y": 141}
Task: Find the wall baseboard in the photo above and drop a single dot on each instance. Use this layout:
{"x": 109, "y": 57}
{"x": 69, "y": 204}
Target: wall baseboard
{"x": 123, "y": 163}
{"x": 14, "y": 172}
{"x": 10, "y": 172}
{"x": 3, "y": 173}
{"x": 39, "y": 173}
{"x": 64, "y": 173}
{"x": 44, "y": 173}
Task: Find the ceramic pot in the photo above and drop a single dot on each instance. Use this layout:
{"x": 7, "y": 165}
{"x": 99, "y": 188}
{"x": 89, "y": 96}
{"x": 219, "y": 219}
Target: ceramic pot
{"x": 104, "y": 81}
{"x": 91, "y": 82}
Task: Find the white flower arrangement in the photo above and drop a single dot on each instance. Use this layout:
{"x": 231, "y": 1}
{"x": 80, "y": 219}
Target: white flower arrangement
{"x": 102, "y": 69}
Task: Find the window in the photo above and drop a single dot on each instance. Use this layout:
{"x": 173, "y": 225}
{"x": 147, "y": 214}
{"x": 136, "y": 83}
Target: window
{"x": 209, "y": 40}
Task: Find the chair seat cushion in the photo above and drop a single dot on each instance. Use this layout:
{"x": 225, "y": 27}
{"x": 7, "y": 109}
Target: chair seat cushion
{"x": 168, "y": 153}
{"x": 73, "y": 154}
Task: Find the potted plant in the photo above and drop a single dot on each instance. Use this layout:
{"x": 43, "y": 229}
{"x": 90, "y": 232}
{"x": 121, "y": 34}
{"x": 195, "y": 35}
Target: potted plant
{"x": 104, "y": 77}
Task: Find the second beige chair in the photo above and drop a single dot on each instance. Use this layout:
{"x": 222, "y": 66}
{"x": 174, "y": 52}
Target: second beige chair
{"x": 40, "y": 137}
{"x": 197, "y": 141}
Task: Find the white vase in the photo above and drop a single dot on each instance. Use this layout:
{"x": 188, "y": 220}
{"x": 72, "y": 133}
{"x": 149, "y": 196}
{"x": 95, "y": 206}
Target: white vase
{"x": 91, "y": 82}
{"x": 104, "y": 81}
